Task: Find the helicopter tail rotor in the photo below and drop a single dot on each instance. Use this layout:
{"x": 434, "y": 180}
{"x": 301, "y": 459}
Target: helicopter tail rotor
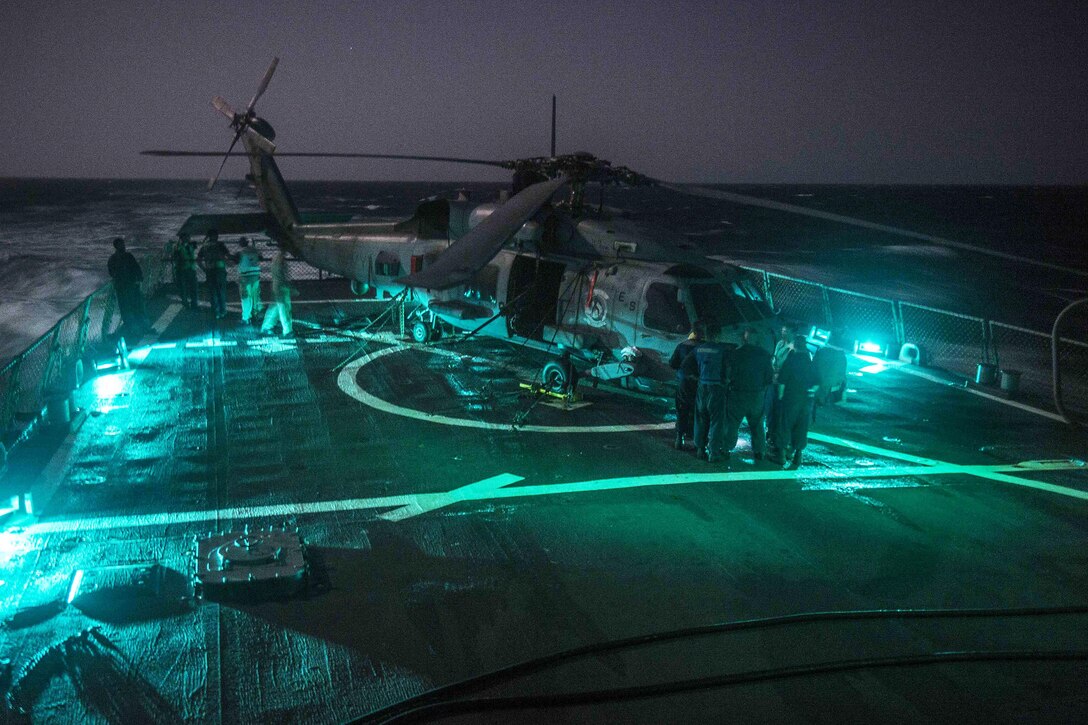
{"x": 264, "y": 84}
{"x": 243, "y": 122}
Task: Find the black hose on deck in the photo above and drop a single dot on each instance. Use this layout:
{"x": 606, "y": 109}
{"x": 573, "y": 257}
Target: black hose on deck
{"x": 435, "y": 702}
{"x": 445, "y": 708}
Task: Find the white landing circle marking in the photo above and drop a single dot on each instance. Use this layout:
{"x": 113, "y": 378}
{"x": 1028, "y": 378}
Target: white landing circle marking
{"x": 348, "y": 383}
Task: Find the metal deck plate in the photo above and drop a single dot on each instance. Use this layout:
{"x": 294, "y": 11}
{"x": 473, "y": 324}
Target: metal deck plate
{"x": 250, "y": 564}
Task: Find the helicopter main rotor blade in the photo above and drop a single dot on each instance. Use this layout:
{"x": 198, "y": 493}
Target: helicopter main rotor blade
{"x": 211, "y": 183}
{"x": 403, "y": 157}
{"x": 862, "y": 223}
{"x": 264, "y": 84}
{"x": 472, "y": 252}
{"x": 339, "y": 155}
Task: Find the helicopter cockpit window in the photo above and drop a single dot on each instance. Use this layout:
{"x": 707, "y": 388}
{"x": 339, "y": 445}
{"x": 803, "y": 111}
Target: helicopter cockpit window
{"x": 748, "y": 308}
{"x": 664, "y": 310}
{"x": 715, "y": 306}
{"x": 752, "y": 290}
{"x": 757, "y": 296}
{"x": 484, "y": 285}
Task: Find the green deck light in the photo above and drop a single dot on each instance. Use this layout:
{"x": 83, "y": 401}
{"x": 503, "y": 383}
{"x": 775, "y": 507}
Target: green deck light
{"x": 870, "y": 346}
{"x": 106, "y": 388}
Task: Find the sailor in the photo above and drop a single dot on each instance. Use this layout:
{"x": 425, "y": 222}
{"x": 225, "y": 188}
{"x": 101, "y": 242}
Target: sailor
{"x": 687, "y": 383}
{"x": 712, "y": 360}
{"x": 127, "y": 276}
{"x": 782, "y": 349}
{"x": 750, "y": 375}
{"x": 280, "y": 306}
{"x": 184, "y": 258}
{"x": 249, "y": 279}
{"x": 213, "y": 256}
{"x": 797, "y": 382}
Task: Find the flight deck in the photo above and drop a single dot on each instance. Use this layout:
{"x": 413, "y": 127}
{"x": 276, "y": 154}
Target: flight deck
{"x": 455, "y": 524}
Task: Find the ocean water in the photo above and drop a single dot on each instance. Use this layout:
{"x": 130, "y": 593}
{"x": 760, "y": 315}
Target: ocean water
{"x": 55, "y": 234}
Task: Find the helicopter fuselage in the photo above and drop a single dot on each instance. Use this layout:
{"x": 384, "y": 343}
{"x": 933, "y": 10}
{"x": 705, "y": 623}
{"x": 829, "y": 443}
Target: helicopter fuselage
{"x": 578, "y": 286}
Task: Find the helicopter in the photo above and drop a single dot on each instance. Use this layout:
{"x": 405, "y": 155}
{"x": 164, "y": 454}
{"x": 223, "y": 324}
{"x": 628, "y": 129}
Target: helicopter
{"x": 560, "y": 276}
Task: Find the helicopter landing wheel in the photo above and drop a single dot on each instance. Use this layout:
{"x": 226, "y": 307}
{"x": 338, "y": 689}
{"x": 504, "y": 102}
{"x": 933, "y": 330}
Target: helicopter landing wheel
{"x": 362, "y": 289}
{"x": 421, "y": 332}
{"x": 553, "y": 378}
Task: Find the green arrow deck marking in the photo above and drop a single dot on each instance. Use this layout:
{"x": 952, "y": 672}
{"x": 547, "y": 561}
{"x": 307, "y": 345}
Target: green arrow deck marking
{"x": 406, "y": 506}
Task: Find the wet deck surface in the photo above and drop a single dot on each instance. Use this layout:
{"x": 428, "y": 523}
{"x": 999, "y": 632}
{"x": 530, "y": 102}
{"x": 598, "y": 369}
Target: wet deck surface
{"x": 910, "y": 497}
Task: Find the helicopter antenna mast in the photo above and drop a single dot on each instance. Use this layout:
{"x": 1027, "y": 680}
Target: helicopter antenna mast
{"x": 553, "y": 125}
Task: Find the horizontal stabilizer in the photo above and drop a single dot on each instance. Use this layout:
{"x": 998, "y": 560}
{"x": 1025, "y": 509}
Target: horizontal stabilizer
{"x": 198, "y": 225}
{"x": 261, "y": 142}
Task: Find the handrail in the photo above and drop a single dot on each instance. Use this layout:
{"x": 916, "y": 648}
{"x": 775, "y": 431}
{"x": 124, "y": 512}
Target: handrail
{"x": 25, "y": 390}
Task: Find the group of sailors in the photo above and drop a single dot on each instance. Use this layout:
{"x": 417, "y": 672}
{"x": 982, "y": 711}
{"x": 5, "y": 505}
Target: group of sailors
{"x": 719, "y": 386}
{"x": 212, "y": 257}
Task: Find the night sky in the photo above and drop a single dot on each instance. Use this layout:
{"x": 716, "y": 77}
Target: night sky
{"x": 829, "y": 92}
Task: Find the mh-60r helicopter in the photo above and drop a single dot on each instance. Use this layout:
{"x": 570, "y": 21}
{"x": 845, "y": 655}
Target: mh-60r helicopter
{"x": 555, "y": 275}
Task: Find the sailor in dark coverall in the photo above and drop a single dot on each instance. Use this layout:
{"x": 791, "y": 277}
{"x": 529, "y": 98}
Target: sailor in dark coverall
{"x": 750, "y": 374}
{"x": 687, "y": 381}
{"x": 797, "y": 381}
{"x": 213, "y": 257}
{"x": 713, "y": 362}
{"x": 185, "y": 270}
{"x": 127, "y": 276}
{"x": 781, "y": 349}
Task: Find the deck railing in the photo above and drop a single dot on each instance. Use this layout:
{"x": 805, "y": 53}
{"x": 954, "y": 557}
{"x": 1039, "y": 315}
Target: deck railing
{"x": 53, "y": 364}
{"x": 951, "y": 341}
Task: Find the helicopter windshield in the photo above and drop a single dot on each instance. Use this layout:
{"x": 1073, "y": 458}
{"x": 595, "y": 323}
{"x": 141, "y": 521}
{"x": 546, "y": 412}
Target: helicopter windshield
{"x": 748, "y": 307}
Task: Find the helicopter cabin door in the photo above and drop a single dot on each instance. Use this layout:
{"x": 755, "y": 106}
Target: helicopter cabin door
{"x": 532, "y": 293}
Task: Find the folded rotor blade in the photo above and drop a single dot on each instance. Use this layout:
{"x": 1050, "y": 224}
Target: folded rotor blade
{"x": 264, "y": 85}
{"x": 472, "y": 252}
{"x": 211, "y": 183}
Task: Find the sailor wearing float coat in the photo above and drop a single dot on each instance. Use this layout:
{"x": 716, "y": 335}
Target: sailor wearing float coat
{"x": 249, "y": 279}
{"x": 280, "y": 307}
{"x": 710, "y": 399}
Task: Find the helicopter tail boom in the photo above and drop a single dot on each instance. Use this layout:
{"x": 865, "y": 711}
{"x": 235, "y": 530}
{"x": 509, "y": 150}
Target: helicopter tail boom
{"x": 271, "y": 189}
